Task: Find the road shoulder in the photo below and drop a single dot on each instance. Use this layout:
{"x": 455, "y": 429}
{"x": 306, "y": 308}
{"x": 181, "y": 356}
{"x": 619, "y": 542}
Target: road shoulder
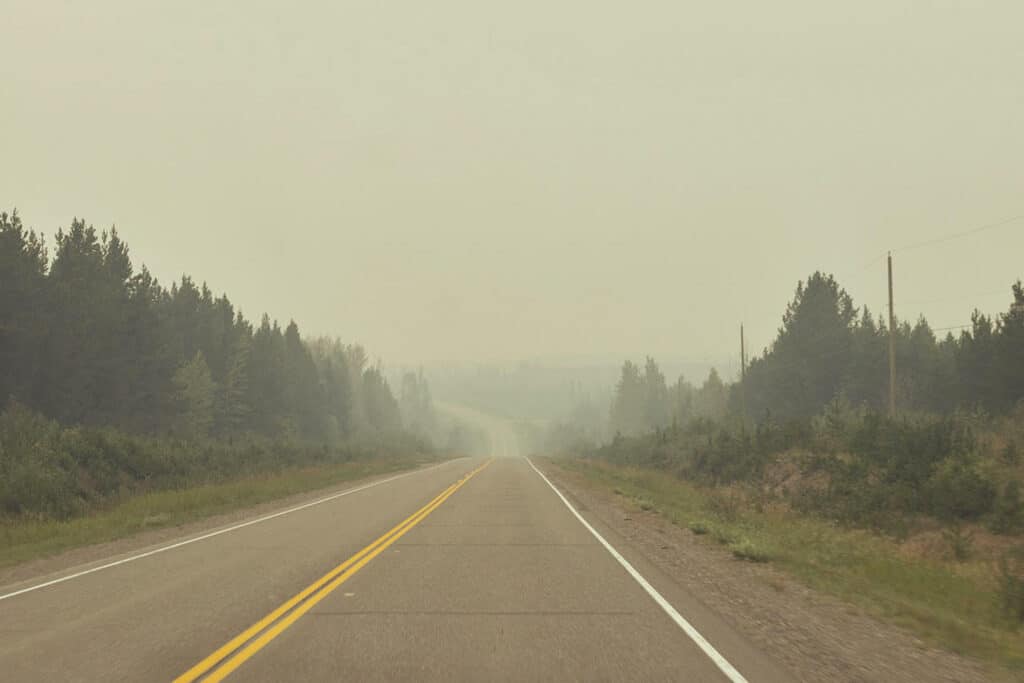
{"x": 816, "y": 637}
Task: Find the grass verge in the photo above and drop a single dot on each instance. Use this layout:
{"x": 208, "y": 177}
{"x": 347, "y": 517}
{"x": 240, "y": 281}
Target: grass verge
{"x": 953, "y": 605}
{"x": 24, "y": 540}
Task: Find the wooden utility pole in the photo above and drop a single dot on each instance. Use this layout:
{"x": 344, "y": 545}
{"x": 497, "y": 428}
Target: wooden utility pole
{"x": 743, "y": 376}
{"x": 892, "y": 348}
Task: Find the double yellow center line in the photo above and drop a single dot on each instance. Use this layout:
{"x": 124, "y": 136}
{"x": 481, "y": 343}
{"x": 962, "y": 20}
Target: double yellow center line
{"x": 236, "y": 651}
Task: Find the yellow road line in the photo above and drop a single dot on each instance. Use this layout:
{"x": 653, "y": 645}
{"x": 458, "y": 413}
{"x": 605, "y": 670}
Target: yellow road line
{"x": 225, "y": 659}
{"x": 236, "y": 642}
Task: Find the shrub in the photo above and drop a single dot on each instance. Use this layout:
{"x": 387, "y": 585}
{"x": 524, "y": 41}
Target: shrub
{"x": 699, "y": 527}
{"x": 1008, "y": 515}
{"x": 1010, "y": 578}
{"x": 723, "y": 535}
{"x": 961, "y": 543}
{"x": 35, "y": 470}
{"x": 47, "y": 471}
{"x": 723, "y": 504}
{"x": 958, "y": 491}
{"x": 1009, "y": 454}
{"x": 745, "y": 549}
{"x": 864, "y": 468}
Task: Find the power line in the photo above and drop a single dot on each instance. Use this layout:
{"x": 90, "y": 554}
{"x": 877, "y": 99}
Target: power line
{"x": 959, "y": 297}
{"x": 850, "y": 275}
{"x": 958, "y": 235}
{"x": 938, "y": 240}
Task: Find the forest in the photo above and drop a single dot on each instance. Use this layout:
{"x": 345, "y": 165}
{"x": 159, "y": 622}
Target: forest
{"x": 112, "y": 382}
{"x": 808, "y": 424}
{"x": 828, "y": 349}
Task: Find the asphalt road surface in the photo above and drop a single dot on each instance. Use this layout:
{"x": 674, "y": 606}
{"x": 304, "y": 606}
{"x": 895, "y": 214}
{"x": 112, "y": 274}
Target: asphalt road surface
{"x": 474, "y": 570}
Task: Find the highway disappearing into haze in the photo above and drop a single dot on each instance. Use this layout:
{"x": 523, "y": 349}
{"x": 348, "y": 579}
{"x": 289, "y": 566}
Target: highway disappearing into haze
{"x": 476, "y": 569}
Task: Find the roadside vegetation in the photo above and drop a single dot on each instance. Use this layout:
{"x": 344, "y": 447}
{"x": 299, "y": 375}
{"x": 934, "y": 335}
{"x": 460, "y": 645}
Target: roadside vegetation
{"x": 49, "y": 472}
{"x": 27, "y": 538}
{"x": 123, "y": 401}
{"x": 918, "y": 516}
{"x": 853, "y": 467}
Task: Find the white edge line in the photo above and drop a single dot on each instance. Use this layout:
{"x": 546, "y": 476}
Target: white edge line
{"x": 235, "y": 527}
{"x": 721, "y": 662}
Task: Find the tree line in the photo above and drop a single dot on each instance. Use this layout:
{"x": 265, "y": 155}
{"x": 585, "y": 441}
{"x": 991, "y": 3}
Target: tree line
{"x": 828, "y": 349}
{"x": 643, "y": 401}
{"x": 88, "y": 339}
{"x": 816, "y": 404}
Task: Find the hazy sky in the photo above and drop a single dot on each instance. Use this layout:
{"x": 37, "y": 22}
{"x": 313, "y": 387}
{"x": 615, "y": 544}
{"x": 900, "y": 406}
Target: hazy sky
{"x": 473, "y": 180}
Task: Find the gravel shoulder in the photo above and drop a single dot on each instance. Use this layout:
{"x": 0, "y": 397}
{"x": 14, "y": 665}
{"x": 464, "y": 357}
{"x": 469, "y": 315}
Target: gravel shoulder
{"x": 817, "y": 637}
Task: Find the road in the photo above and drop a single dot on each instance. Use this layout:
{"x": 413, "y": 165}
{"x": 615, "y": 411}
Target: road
{"x": 472, "y": 570}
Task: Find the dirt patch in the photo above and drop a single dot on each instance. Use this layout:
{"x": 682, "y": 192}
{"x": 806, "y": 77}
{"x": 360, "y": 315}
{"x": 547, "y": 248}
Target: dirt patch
{"x": 817, "y": 637}
{"x": 931, "y": 542}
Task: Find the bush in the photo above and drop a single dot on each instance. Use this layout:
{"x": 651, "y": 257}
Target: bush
{"x": 699, "y": 527}
{"x": 35, "y": 470}
{"x": 723, "y": 504}
{"x": 958, "y": 491}
{"x": 1008, "y": 515}
{"x": 723, "y": 535}
{"x": 909, "y": 448}
{"x": 1010, "y": 577}
{"x": 47, "y": 471}
{"x": 745, "y": 549}
{"x": 866, "y": 469}
{"x": 961, "y": 544}
{"x": 1010, "y": 455}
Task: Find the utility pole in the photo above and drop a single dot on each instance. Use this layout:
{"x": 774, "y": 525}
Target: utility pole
{"x": 892, "y": 348}
{"x": 743, "y": 377}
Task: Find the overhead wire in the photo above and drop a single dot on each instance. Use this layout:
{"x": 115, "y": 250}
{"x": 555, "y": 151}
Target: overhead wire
{"x": 942, "y": 240}
{"x": 958, "y": 235}
{"x": 931, "y": 242}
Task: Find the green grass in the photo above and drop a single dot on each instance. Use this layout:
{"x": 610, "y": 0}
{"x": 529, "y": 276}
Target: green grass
{"x": 745, "y": 549}
{"x": 699, "y": 527}
{"x": 953, "y": 605}
{"x": 22, "y": 540}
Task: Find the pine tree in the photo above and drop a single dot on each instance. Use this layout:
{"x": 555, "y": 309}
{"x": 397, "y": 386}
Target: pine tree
{"x": 304, "y": 397}
{"x": 381, "y": 407}
{"x": 234, "y": 410}
{"x": 24, "y": 309}
{"x": 1010, "y": 352}
{"x": 655, "y": 397}
{"x": 628, "y": 403}
{"x": 196, "y": 392}
{"x": 711, "y": 397}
